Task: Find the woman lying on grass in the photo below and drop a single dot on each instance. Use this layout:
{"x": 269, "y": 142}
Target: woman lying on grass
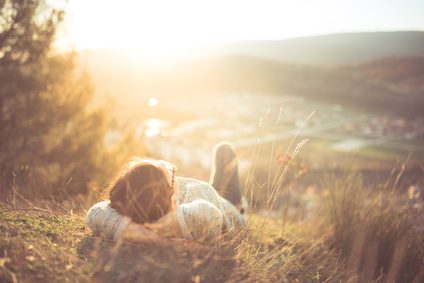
{"x": 148, "y": 202}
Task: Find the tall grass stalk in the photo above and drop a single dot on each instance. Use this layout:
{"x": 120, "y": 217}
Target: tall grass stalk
{"x": 378, "y": 231}
{"x": 279, "y": 177}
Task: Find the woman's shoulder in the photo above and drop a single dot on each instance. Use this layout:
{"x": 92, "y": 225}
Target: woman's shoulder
{"x": 192, "y": 189}
{"x": 105, "y": 221}
{"x": 190, "y": 182}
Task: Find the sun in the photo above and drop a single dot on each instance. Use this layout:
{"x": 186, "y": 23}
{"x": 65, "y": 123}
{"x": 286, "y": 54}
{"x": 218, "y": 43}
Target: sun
{"x": 149, "y": 29}
{"x": 173, "y": 28}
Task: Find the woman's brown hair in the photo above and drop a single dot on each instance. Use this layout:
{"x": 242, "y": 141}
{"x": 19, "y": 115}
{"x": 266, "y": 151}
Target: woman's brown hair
{"x": 142, "y": 192}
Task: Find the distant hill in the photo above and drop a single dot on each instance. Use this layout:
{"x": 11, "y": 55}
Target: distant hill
{"x": 391, "y": 81}
{"x": 332, "y": 49}
{"x": 389, "y": 85}
{"x": 404, "y": 77}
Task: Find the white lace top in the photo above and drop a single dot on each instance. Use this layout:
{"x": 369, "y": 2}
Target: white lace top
{"x": 201, "y": 213}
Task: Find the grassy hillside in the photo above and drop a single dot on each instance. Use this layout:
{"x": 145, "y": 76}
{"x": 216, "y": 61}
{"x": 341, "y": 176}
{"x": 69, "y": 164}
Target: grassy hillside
{"x": 40, "y": 246}
{"x": 353, "y": 235}
{"x": 43, "y": 246}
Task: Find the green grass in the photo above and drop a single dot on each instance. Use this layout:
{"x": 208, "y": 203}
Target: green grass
{"x": 40, "y": 247}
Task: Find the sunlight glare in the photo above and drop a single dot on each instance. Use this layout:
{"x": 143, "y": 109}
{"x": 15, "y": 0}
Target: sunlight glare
{"x": 162, "y": 29}
{"x": 168, "y": 30}
{"x": 155, "y": 126}
{"x": 153, "y": 101}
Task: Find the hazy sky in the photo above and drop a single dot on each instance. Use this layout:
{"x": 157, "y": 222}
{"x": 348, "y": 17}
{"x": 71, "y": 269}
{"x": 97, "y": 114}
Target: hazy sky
{"x": 159, "y": 27}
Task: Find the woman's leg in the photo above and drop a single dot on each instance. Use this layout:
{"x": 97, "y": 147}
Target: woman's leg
{"x": 224, "y": 173}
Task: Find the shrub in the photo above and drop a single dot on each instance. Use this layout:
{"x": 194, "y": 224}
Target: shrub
{"x": 51, "y": 140}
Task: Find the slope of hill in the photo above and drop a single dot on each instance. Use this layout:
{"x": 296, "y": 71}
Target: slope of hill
{"x": 393, "y": 84}
{"x": 332, "y": 49}
{"x": 403, "y": 75}
{"x": 55, "y": 245}
{"x": 389, "y": 85}
{"x": 47, "y": 246}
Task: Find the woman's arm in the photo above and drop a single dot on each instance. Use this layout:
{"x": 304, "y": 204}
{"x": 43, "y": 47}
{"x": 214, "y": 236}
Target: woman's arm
{"x": 138, "y": 233}
{"x": 106, "y": 222}
{"x": 198, "y": 220}
{"x": 166, "y": 227}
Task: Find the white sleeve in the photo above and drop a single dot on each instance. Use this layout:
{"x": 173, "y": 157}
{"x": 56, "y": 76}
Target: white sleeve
{"x": 200, "y": 220}
{"x": 105, "y": 221}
